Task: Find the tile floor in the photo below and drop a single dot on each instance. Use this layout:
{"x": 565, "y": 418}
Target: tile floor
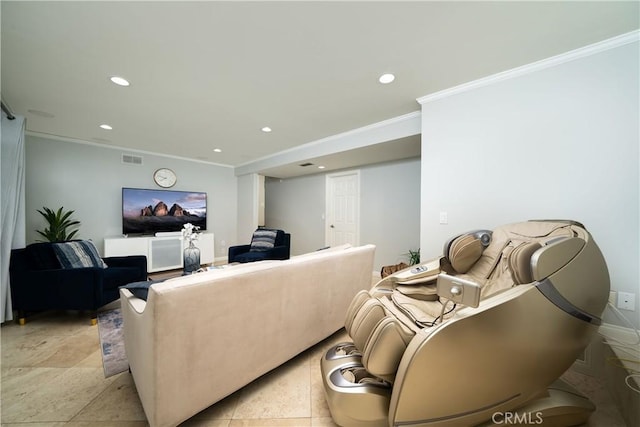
{"x": 52, "y": 376}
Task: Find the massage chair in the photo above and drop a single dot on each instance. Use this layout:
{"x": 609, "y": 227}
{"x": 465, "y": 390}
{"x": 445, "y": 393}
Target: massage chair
{"x": 478, "y": 336}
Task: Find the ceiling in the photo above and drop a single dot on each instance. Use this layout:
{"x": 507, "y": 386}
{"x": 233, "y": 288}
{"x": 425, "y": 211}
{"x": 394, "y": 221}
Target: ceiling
{"x": 211, "y": 75}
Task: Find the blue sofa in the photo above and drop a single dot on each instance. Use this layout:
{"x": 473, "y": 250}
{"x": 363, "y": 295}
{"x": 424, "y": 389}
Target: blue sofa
{"x": 40, "y": 280}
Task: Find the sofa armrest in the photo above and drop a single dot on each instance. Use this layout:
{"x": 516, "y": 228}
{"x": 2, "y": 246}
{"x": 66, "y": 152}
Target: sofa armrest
{"x": 234, "y": 251}
{"x": 35, "y": 279}
{"x": 137, "y": 304}
{"x": 280, "y": 252}
{"x": 78, "y": 288}
{"x": 139, "y": 261}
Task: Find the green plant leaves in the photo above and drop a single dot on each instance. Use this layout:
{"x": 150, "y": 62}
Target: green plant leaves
{"x": 414, "y": 256}
{"x": 60, "y": 225}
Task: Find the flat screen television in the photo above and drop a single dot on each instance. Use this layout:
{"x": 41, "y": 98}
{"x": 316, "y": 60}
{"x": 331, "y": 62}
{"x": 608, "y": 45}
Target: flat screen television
{"x": 146, "y": 211}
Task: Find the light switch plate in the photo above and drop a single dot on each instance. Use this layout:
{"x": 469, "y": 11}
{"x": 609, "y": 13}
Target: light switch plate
{"x": 626, "y": 301}
{"x": 444, "y": 218}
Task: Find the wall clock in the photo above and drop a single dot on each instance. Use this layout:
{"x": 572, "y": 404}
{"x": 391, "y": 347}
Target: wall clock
{"x": 165, "y": 177}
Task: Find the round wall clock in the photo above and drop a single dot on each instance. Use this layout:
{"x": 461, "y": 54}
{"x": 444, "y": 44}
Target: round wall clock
{"x": 165, "y": 177}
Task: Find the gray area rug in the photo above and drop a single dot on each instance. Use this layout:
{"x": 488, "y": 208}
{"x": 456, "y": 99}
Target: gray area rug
{"x": 114, "y": 358}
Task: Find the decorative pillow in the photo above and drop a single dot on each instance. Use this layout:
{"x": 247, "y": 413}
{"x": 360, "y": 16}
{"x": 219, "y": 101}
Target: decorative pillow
{"x": 141, "y": 289}
{"x": 263, "y": 240}
{"x": 80, "y": 254}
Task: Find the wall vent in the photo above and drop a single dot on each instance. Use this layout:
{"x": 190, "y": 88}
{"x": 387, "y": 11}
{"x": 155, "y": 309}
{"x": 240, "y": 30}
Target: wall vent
{"x": 131, "y": 159}
{"x": 304, "y": 165}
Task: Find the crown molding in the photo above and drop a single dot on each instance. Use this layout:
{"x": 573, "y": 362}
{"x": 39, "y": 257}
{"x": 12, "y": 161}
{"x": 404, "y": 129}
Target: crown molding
{"x": 572, "y": 55}
{"x": 383, "y": 131}
{"x": 115, "y": 147}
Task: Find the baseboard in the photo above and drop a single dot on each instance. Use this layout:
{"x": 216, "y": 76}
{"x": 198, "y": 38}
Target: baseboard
{"x": 619, "y": 333}
{"x": 623, "y": 343}
{"x": 615, "y": 379}
{"x": 620, "y": 350}
{"x": 221, "y": 260}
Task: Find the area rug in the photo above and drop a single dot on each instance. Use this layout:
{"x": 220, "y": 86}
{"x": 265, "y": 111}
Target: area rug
{"x": 114, "y": 358}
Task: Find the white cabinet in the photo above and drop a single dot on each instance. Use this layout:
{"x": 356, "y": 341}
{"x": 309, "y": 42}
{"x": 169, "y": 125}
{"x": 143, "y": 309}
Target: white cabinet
{"x": 165, "y": 253}
{"x": 162, "y": 252}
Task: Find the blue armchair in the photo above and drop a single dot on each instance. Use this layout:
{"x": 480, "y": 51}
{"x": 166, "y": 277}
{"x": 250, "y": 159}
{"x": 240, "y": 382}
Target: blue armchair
{"x": 40, "y": 280}
{"x": 265, "y": 244}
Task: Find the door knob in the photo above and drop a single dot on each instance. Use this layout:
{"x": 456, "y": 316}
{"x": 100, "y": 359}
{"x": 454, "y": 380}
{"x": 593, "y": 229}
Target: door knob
{"x": 331, "y": 226}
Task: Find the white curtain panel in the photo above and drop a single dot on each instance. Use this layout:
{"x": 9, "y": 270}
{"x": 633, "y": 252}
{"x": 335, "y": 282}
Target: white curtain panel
{"x": 12, "y": 233}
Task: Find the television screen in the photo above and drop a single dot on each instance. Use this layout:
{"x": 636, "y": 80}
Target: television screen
{"x": 146, "y": 211}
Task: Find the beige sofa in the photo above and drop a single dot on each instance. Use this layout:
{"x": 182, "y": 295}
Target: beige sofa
{"x": 199, "y": 338}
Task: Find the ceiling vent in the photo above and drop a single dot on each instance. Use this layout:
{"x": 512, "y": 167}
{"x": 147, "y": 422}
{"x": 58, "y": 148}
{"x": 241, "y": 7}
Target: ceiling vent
{"x": 304, "y": 165}
{"x": 131, "y": 159}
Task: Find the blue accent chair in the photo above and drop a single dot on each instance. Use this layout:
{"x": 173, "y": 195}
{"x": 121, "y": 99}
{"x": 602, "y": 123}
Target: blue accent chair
{"x": 249, "y": 253}
{"x": 38, "y": 281}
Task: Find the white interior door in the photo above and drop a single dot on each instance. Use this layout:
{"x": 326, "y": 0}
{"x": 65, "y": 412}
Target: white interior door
{"x": 342, "y": 218}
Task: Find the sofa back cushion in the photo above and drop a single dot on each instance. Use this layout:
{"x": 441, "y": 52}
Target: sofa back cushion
{"x": 40, "y": 256}
{"x": 78, "y": 254}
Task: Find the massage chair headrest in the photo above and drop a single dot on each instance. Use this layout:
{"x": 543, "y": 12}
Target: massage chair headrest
{"x": 465, "y": 250}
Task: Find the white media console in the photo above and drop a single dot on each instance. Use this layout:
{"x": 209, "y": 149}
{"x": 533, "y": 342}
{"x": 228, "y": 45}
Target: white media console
{"x": 163, "y": 252}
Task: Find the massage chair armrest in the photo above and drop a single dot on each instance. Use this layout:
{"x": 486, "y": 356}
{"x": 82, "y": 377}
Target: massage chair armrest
{"x": 418, "y": 274}
{"x": 459, "y": 290}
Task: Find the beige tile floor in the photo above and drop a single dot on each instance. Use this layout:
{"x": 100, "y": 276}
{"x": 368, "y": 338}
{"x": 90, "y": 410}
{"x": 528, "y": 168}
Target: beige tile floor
{"x": 52, "y": 376}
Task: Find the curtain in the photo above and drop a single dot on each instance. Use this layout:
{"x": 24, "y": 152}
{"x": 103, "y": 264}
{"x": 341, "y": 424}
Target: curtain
{"x": 12, "y": 203}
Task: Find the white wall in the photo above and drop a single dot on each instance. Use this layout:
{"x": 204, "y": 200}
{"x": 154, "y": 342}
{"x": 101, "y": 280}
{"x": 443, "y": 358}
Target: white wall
{"x": 248, "y": 206}
{"x": 296, "y": 205}
{"x": 389, "y": 209}
{"x": 88, "y": 179}
{"x": 560, "y": 142}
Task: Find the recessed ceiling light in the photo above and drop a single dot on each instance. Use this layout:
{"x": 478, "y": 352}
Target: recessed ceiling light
{"x": 120, "y": 81}
{"x": 217, "y": 150}
{"x": 386, "y": 78}
{"x": 106, "y": 127}
{"x": 266, "y": 129}
{"x": 320, "y": 167}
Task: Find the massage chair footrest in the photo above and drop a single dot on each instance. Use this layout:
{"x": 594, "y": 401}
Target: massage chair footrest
{"x": 355, "y": 397}
{"x": 342, "y": 350}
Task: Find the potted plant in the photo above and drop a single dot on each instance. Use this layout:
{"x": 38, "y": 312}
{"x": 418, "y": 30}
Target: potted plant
{"x": 414, "y": 256}
{"x": 60, "y": 225}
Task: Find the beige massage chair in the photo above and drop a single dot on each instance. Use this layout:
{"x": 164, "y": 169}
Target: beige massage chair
{"x": 479, "y": 336}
